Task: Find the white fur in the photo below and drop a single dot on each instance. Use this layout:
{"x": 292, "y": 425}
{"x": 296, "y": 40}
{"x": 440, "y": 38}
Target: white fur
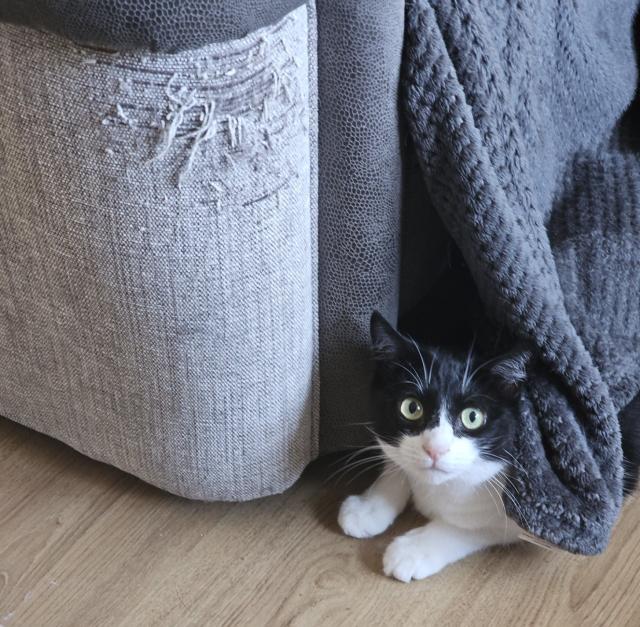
{"x": 369, "y": 514}
{"x": 459, "y": 491}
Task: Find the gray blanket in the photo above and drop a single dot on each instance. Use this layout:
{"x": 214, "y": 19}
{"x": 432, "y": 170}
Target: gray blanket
{"x": 517, "y": 113}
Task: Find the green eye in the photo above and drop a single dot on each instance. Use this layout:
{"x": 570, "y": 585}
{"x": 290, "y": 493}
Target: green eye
{"x": 473, "y": 418}
{"x": 411, "y": 408}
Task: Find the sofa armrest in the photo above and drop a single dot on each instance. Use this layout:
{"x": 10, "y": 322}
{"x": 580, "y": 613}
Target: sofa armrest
{"x": 160, "y": 26}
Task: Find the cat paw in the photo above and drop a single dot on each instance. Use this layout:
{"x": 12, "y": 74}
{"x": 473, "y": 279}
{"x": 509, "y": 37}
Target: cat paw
{"x": 362, "y": 518}
{"x": 405, "y": 559}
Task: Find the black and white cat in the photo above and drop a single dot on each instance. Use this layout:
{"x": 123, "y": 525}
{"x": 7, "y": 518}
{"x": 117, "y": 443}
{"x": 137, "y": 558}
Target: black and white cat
{"x": 445, "y": 426}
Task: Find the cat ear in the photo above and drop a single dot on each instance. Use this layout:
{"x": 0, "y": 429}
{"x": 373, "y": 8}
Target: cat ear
{"x": 387, "y": 343}
{"x": 511, "y": 370}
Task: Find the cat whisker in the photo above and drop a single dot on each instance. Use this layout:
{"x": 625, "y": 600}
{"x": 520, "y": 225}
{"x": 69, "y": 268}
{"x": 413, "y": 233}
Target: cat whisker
{"x": 361, "y": 451}
{"x": 519, "y": 465}
{"x": 364, "y": 460}
{"x": 497, "y": 457}
{"x": 514, "y": 502}
{"x": 365, "y": 449}
{"x": 488, "y": 487}
{"x": 365, "y": 464}
{"x": 485, "y": 396}
{"x": 374, "y": 434}
{"x": 501, "y": 490}
{"x": 434, "y": 354}
{"x": 358, "y": 462}
{"x": 480, "y": 367}
{"x": 350, "y": 447}
{"x": 410, "y": 370}
{"x": 502, "y": 472}
{"x": 510, "y": 481}
{"x": 390, "y": 470}
{"x": 355, "y": 464}
{"x": 465, "y": 377}
{"x": 364, "y": 470}
{"x": 424, "y": 366}
{"x": 492, "y": 489}
{"x": 341, "y": 476}
{"x": 358, "y": 424}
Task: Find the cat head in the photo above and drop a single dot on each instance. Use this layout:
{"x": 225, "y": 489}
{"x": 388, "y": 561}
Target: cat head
{"x": 443, "y": 416}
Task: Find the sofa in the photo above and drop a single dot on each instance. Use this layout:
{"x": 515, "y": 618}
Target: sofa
{"x": 182, "y": 294}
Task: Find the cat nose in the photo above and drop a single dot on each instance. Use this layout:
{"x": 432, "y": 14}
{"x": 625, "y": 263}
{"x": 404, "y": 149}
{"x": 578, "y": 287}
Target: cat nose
{"x": 434, "y": 452}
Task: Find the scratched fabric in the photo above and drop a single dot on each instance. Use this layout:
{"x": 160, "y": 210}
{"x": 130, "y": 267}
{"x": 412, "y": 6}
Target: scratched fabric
{"x": 158, "y": 255}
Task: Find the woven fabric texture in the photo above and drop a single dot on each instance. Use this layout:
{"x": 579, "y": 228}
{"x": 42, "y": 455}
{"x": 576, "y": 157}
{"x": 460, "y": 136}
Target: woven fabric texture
{"x": 516, "y": 113}
{"x": 158, "y": 256}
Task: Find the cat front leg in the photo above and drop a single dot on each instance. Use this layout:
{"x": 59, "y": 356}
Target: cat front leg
{"x": 426, "y": 550}
{"x": 370, "y": 513}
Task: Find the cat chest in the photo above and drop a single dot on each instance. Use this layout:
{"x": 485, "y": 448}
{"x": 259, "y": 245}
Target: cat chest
{"x": 465, "y": 511}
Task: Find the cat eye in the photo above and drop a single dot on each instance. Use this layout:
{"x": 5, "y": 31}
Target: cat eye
{"x": 411, "y": 409}
{"x": 472, "y": 418}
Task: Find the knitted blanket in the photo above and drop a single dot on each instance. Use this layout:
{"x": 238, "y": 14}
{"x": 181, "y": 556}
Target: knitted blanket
{"x": 517, "y": 111}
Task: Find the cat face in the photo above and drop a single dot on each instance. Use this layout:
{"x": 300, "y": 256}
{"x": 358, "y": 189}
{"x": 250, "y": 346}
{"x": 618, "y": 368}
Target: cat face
{"x": 443, "y": 417}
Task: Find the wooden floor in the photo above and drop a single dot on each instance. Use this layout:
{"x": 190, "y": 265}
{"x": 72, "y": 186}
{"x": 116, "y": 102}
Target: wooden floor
{"x": 82, "y": 544}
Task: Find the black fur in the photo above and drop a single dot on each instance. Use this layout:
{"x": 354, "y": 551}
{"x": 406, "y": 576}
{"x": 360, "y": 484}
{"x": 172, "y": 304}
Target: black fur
{"x": 494, "y": 388}
{"x": 406, "y": 369}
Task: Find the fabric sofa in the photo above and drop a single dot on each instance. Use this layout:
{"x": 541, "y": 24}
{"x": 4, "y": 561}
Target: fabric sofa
{"x": 162, "y": 307}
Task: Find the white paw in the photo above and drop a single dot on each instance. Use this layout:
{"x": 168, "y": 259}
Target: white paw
{"x": 363, "y": 517}
{"x": 406, "y": 559}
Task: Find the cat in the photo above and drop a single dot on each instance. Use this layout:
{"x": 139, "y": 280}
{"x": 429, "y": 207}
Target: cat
{"x": 445, "y": 426}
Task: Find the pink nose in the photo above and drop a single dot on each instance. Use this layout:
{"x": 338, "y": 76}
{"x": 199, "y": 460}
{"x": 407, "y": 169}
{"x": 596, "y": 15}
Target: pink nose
{"x": 434, "y": 452}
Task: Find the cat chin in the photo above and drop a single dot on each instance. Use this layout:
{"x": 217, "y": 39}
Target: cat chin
{"x": 470, "y": 476}
{"x": 433, "y": 476}
{"x": 437, "y": 477}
